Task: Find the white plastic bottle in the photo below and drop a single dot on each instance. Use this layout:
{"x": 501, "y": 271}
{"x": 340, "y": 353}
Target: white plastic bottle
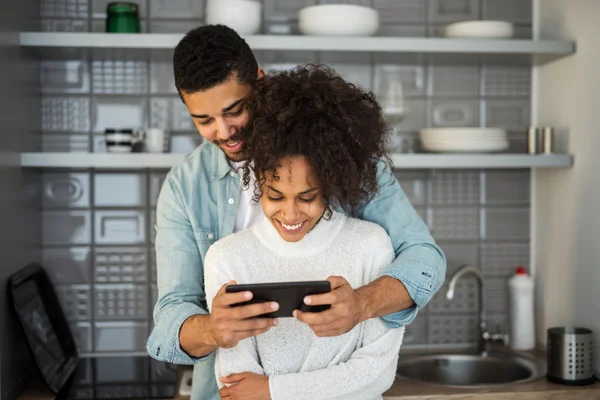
{"x": 522, "y": 333}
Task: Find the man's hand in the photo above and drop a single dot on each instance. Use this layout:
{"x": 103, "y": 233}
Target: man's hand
{"x": 246, "y": 386}
{"x": 228, "y": 325}
{"x": 347, "y": 309}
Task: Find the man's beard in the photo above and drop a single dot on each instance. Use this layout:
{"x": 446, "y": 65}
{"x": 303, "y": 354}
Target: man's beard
{"x": 241, "y": 134}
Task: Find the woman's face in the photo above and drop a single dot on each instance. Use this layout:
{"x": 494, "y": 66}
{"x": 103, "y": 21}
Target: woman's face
{"x": 293, "y": 203}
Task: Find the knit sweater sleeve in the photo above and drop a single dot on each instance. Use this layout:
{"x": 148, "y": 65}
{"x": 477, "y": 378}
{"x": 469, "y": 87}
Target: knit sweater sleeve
{"x": 244, "y": 356}
{"x": 371, "y": 369}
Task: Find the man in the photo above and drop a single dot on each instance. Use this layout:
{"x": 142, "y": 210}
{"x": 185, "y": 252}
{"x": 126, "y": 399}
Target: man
{"x": 202, "y": 201}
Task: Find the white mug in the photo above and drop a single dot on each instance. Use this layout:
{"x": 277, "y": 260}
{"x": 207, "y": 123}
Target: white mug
{"x": 157, "y": 140}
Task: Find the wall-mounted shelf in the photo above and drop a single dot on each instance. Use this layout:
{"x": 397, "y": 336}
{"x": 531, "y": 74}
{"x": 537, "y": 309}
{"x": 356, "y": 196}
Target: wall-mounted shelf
{"x": 401, "y": 161}
{"x": 501, "y": 161}
{"x": 59, "y": 45}
{"x": 100, "y": 160}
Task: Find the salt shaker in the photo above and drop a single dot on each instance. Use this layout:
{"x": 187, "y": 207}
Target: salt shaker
{"x": 548, "y": 139}
{"x": 532, "y": 140}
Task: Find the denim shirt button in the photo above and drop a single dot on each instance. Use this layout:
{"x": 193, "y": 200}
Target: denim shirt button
{"x": 211, "y": 236}
{"x": 230, "y": 201}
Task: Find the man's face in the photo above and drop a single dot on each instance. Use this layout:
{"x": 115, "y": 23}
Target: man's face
{"x": 220, "y": 114}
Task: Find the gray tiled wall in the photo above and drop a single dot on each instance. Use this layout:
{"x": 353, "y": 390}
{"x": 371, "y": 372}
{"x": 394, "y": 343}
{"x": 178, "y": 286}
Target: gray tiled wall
{"x": 479, "y": 218}
{"x": 98, "y": 225}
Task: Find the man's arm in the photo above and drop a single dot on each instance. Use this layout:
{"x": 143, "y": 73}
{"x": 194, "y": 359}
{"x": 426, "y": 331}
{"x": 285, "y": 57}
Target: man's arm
{"x": 419, "y": 269}
{"x": 184, "y": 333}
{"x": 195, "y": 336}
{"x": 384, "y": 296}
{"x": 407, "y": 284}
{"x": 181, "y": 300}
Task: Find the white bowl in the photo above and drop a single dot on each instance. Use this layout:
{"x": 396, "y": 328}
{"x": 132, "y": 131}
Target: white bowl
{"x": 122, "y": 148}
{"x": 338, "y": 20}
{"x": 243, "y": 16}
{"x": 480, "y": 29}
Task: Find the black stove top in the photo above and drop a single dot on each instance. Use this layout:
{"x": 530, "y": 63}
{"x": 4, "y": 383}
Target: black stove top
{"x": 57, "y": 357}
{"x": 121, "y": 378}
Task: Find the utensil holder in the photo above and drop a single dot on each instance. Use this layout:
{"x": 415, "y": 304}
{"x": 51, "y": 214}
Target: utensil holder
{"x": 570, "y": 356}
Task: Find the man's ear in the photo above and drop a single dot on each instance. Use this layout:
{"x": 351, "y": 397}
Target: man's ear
{"x": 261, "y": 73}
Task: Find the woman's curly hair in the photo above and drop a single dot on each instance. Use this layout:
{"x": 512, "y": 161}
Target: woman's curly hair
{"x": 311, "y": 111}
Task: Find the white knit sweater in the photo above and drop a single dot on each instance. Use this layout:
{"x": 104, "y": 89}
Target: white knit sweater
{"x": 360, "y": 364}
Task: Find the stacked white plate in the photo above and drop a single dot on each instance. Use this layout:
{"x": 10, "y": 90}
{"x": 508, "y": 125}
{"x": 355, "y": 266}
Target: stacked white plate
{"x": 480, "y": 29}
{"x": 463, "y": 140}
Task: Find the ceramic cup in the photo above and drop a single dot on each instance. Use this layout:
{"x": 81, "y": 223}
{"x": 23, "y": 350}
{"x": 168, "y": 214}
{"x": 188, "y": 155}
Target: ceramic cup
{"x": 157, "y": 140}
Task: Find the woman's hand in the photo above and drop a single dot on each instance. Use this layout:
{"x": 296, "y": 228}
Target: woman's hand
{"x": 245, "y": 386}
{"x": 347, "y": 309}
{"x": 228, "y": 325}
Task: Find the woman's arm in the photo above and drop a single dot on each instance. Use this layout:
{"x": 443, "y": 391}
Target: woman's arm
{"x": 243, "y": 357}
{"x": 371, "y": 369}
{"x": 368, "y": 373}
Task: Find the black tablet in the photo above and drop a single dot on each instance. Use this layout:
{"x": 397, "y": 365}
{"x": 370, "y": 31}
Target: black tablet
{"x": 289, "y": 295}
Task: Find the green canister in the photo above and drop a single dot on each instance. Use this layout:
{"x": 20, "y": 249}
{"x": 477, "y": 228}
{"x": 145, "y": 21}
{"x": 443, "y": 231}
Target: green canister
{"x": 122, "y": 17}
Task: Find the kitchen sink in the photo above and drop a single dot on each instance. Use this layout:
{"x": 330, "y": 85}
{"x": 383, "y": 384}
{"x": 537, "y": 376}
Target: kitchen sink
{"x": 470, "y": 370}
{"x": 491, "y": 364}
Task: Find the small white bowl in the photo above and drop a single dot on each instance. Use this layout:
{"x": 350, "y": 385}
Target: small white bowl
{"x": 480, "y": 30}
{"x": 243, "y": 16}
{"x": 338, "y": 20}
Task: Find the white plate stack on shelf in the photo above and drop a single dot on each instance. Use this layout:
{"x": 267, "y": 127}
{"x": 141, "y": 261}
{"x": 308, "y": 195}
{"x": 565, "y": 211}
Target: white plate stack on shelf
{"x": 480, "y": 30}
{"x": 463, "y": 140}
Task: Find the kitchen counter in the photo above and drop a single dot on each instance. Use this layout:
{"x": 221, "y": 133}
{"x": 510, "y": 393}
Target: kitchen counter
{"x": 538, "y": 390}
{"x": 407, "y": 390}
{"x": 37, "y": 391}
{"x": 402, "y": 390}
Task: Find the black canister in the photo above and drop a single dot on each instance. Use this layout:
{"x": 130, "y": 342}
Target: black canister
{"x": 122, "y": 17}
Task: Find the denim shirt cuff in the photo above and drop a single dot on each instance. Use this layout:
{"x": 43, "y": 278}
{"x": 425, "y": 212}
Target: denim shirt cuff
{"x": 418, "y": 278}
{"x": 400, "y": 318}
{"x": 166, "y": 332}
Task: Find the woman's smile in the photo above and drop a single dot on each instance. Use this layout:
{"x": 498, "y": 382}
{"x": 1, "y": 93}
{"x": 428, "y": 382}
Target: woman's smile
{"x": 292, "y": 200}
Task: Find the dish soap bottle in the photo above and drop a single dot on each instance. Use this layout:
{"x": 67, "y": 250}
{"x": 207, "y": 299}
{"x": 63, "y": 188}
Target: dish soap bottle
{"x": 522, "y": 334}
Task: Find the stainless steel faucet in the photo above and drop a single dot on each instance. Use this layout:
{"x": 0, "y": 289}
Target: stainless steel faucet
{"x": 485, "y": 338}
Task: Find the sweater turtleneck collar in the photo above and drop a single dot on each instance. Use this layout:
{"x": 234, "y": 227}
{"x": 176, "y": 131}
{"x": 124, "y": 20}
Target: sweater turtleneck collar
{"x": 313, "y": 242}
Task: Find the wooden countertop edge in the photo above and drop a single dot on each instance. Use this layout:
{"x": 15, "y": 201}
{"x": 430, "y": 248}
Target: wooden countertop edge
{"x": 544, "y": 391}
{"x": 567, "y": 394}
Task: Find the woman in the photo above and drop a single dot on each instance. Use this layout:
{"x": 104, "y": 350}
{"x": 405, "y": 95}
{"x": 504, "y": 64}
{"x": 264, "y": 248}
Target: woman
{"x": 313, "y": 147}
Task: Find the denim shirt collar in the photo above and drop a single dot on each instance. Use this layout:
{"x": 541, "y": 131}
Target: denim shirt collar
{"x": 221, "y": 166}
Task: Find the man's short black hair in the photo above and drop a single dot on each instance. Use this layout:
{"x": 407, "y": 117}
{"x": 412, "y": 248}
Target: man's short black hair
{"x": 207, "y": 56}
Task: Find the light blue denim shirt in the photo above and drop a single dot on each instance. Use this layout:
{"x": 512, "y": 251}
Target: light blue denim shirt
{"x": 197, "y": 206}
